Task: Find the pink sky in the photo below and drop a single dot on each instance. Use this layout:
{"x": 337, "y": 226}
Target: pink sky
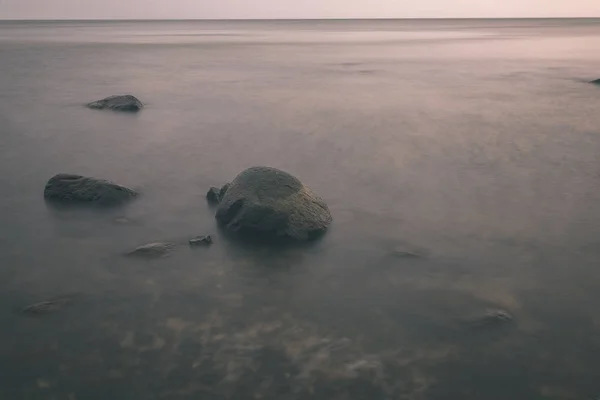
{"x": 191, "y": 9}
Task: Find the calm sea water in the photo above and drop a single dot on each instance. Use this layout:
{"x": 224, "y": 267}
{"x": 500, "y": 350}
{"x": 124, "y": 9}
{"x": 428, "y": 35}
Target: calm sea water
{"x": 475, "y": 144}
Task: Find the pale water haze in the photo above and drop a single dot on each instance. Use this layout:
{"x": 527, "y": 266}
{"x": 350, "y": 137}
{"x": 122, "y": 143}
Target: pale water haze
{"x": 244, "y": 9}
{"x": 460, "y": 160}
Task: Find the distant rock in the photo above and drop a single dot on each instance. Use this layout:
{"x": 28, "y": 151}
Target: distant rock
{"x": 201, "y": 241}
{"x": 118, "y": 103}
{"x": 274, "y": 203}
{"x": 152, "y": 250}
{"x": 596, "y": 82}
{"x": 70, "y": 188}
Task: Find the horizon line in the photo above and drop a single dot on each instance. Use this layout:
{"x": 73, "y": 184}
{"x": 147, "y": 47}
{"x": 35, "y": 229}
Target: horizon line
{"x": 280, "y": 19}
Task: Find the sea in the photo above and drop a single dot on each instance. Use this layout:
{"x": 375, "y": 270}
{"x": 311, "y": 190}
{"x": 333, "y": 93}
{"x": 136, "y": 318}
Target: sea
{"x": 460, "y": 160}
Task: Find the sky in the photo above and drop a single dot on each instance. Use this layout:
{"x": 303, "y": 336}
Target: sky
{"x": 249, "y": 9}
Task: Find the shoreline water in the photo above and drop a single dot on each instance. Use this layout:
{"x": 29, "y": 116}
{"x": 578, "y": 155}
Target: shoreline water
{"x": 461, "y": 176}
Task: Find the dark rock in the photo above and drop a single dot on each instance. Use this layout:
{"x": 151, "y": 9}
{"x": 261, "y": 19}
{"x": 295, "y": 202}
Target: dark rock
{"x": 152, "y": 250}
{"x": 213, "y": 195}
{"x": 596, "y": 82}
{"x": 273, "y": 203}
{"x": 223, "y": 190}
{"x": 81, "y": 189}
{"x": 201, "y": 241}
{"x": 118, "y": 103}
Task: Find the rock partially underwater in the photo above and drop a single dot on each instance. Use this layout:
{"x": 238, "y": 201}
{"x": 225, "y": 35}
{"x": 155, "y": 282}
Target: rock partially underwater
{"x": 490, "y": 318}
{"x": 46, "y": 307}
{"x": 152, "y": 250}
{"x": 71, "y": 188}
{"x": 126, "y": 103}
{"x": 215, "y": 195}
{"x": 201, "y": 241}
{"x": 273, "y": 203}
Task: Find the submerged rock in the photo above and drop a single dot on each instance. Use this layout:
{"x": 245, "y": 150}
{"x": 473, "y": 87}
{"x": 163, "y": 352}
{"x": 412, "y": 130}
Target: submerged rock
{"x": 45, "y": 307}
{"x": 70, "y": 188}
{"x": 268, "y": 201}
{"x": 489, "y": 318}
{"x": 118, "y": 103}
{"x": 152, "y": 250}
{"x": 405, "y": 253}
{"x": 201, "y": 241}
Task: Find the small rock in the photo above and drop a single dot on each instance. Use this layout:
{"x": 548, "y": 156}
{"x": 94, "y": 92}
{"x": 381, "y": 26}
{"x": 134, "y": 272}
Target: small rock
{"x": 399, "y": 253}
{"x": 213, "y": 195}
{"x": 118, "y": 103}
{"x": 498, "y": 315}
{"x": 404, "y": 251}
{"x": 201, "y": 241}
{"x": 71, "y": 188}
{"x": 152, "y": 250}
{"x": 491, "y": 317}
{"x": 45, "y": 307}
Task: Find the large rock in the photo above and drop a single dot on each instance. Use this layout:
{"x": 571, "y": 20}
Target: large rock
{"x": 118, "y": 103}
{"x": 274, "y": 203}
{"x": 71, "y": 188}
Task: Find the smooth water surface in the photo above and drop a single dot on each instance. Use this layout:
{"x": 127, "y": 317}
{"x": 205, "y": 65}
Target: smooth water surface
{"x": 474, "y": 145}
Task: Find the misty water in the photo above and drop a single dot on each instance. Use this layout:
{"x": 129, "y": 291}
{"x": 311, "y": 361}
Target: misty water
{"x": 460, "y": 161}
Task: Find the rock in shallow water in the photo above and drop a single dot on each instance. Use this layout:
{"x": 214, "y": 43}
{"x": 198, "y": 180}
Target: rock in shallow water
{"x": 152, "y": 250}
{"x": 46, "y": 307}
{"x": 596, "y": 82}
{"x": 118, "y": 103}
{"x": 70, "y": 188}
{"x": 213, "y": 195}
{"x": 491, "y": 317}
{"x": 201, "y": 241}
{"x": 405, "y": 253}
{"x": 274, "y": 203}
